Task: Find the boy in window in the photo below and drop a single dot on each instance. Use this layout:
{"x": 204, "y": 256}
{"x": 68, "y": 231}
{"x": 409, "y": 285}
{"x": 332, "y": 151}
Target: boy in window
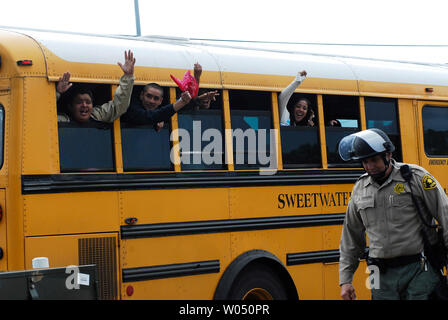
{"x": 80, "y": 106}
{"x": 148, "y": 110}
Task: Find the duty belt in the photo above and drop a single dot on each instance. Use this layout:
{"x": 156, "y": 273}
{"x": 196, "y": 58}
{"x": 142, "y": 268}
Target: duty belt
{"x": 383, "y": 264}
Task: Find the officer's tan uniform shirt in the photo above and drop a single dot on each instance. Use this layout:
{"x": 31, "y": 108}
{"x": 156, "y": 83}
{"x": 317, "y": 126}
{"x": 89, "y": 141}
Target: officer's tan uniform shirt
{"x": 388, "y": 216}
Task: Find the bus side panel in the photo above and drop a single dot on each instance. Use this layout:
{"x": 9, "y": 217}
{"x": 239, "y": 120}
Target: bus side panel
{"x": 408, "y": 131}
{"x": 81, "y": 249}
{"x": 39, "y": 127}
{"x": 307, "y": 277}
{"x": 172, "y": 249}
{"x": 176, "y": 205}
{"x": 68, "y": 213}
{"x": 13, "y": 162}
{"x": 163, "y": 253}
{"x": 278, "y": 202}
{"x": 313, "y": 280}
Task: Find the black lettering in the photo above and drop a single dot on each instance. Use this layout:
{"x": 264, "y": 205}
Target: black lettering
{"x": 339, "y": 197}
{"x": 315, "y": 199}
{"x": 332, "y": 202}
{"x": 281, "y": 201}
{"x": 307, "y": 200}
{"x": 346, "y": 198}
{"x": 291, "y": 200}
{"x": 437, "y": 162}
{"x": 326, "y": 196}
{"x": 300, "y": 200}
{"x": 321, "y": 200}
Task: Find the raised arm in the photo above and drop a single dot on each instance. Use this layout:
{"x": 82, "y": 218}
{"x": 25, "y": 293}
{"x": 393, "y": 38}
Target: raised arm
{"x": 129, "y": 63}
{"x": 206, "y": 98}
{"x": 183, "y": 101}
{"x": 112, "y": 110}
{"x": 63, "y": 84}
{"x": 286, "y": 94}
{"x": 197, "y": 71}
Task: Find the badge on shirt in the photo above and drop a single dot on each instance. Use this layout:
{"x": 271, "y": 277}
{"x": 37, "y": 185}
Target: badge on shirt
{"x": 399, "y": 188}
{"x": 428, "y": 182}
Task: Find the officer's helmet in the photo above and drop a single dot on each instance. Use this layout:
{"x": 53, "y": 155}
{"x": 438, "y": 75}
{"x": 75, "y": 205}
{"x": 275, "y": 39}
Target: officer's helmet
{"x": 365, "y": 144}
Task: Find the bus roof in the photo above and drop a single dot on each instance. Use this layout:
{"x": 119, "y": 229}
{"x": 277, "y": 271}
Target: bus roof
{"x": 227, "y": 65}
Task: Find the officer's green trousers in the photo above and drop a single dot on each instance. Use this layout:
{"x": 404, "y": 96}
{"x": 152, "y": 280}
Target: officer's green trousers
{"x": 409, "y": 282}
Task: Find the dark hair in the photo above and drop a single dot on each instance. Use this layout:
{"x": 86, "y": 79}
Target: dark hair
{"x": 291, "y": 106}
{"x": 68, "y": 97}
{"x": 153, "y": 85}
{"x": 80, "y": 90}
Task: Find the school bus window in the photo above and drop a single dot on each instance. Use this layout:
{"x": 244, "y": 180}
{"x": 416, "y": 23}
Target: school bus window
{"x": 300, "y": 143}
{"x": 251, "y": 118}
{"x": 146, "y": 147}
{"x": 341, "y": 117}
{"x": 435, "y": 130}
{"x": 382, "y": 113}
{"x": 85, "y": 146}
{"x": 201, "y": 134}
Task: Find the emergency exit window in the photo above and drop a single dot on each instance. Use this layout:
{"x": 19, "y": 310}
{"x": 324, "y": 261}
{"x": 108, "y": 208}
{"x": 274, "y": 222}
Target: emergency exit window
{"x": 435, "y": 130}
{"x": 382, "y": 113}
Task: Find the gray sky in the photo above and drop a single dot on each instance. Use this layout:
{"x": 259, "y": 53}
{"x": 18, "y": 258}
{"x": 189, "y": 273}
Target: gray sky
{"x": 398, "y": 22}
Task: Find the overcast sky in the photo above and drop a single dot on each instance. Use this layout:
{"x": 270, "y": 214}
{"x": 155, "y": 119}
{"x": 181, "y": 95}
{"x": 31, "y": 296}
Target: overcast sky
{"x": 388, "y": 22}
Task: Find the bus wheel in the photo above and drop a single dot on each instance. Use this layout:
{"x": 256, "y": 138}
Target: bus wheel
{"x": 258, "y": 282}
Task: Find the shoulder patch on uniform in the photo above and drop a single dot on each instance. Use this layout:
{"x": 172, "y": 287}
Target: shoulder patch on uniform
{"x": 428, "y": 182}
{"x": 399, "y": 188}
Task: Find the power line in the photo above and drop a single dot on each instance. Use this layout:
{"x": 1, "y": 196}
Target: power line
{"x": 323, "y": 43}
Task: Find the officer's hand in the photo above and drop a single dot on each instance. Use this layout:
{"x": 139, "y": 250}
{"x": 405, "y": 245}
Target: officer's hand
{"x": 348, "y": 292}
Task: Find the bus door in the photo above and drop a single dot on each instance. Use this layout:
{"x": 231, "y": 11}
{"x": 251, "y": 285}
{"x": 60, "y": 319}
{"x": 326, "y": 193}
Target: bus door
{"x": 4, "y": 101}
{"x": 433, "y": 139}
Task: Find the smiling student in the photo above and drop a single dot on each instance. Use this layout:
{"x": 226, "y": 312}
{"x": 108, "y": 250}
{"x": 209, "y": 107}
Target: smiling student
{"x": 297, "y": 112}
{"x": 80, "y": 106}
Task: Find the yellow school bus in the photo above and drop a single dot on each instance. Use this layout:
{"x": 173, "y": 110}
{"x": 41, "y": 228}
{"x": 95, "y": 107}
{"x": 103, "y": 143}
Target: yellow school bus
{"x": 161, "y": 221}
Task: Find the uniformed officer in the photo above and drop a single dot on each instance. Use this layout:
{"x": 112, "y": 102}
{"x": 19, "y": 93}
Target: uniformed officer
{"x": 381, "y": 207}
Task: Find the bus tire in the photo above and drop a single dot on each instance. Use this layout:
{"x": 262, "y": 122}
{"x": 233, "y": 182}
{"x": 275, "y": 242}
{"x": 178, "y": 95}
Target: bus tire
{"x": 258, "y": 282}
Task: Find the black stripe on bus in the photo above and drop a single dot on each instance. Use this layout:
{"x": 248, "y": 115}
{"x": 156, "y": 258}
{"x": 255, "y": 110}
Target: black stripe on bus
{"x": 170, "y": 270}
{"x": 213, "y": 266}
{"x": 55, "y": 183}
{"x": 228, "y": 225}
{"x": 312, "y": 257}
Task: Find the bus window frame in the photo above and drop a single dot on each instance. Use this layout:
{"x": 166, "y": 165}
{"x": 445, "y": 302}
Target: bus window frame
{"x": 268, "y": 103}
{"x": 103, "y": 92}
{"x": 203, "y": 166}
{"x": 357, "y": 107}
{"x": 398, "y": 153}
{"x": 315, "y": 99}
{"x": 150, "y": 128}
{"x": 137, "y": 89}
{"x": 421, "y": 135}
{"x": 75, "y": 125}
